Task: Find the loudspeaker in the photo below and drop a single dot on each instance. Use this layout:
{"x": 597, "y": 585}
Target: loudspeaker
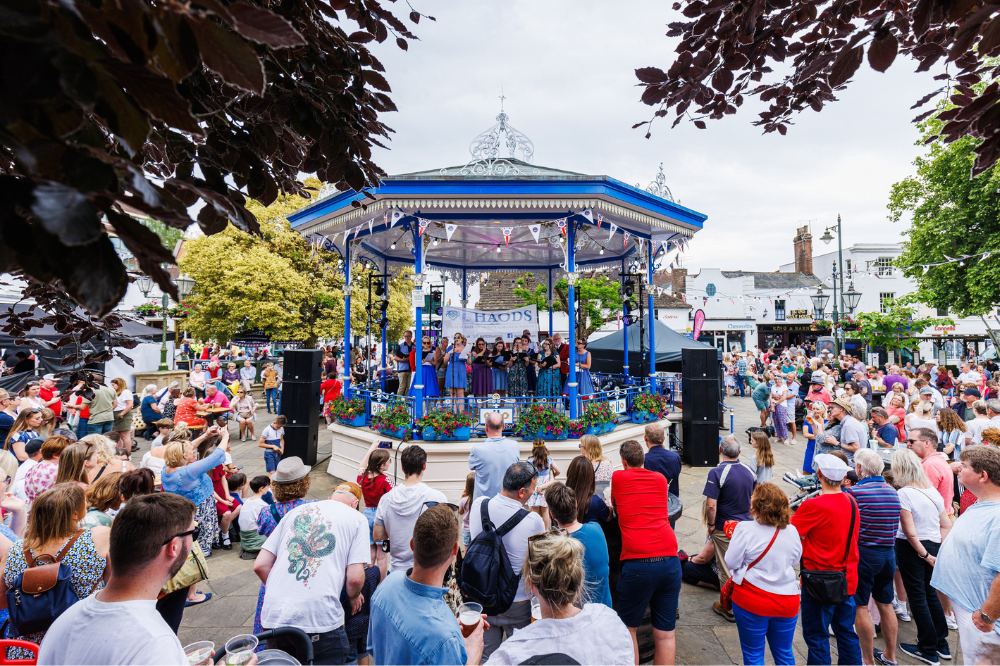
{"x": 302, "y": 441}
{"x": 698, "y": 363}
{"x": 300, "y": 402}
{"x": 701, "y": 443}
{"x": 302, "y": 365}
{"x": 700, "y": 399}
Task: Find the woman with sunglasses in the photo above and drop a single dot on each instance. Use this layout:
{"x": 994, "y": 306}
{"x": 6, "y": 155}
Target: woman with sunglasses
{"x": 25, "y": 428}
{"x": 589, "y": 633}
{"x": 53, "y": 530}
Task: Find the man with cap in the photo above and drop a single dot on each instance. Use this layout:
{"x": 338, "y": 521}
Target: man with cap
{"x": 49, "y": 394}
{"x": 33, "y": 448}
{"x": 302, "y": 587}
{"x": 829, "y": 525}
{"x": 923, "y": 383}
{"x": 817, "y": 390}
{"x": 964, "y": 407}
{"x": 925, "y": 394}
{"x": 852, "y": 432}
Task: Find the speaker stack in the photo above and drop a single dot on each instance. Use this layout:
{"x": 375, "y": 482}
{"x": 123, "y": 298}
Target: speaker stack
{"x": 300, "y": 403}
{"x": 701, "y": 392}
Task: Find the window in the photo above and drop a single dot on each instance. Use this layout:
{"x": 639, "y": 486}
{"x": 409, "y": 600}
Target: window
{"x": 884, "y": 266}
{"x": 779, "y": 311}
{"x": 710, "y": 289}
{"x": 885, "y": 300}
{"x": 942, "y": 312}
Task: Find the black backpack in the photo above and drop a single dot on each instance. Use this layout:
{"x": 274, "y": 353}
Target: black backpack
{"x": 487, "y": 577}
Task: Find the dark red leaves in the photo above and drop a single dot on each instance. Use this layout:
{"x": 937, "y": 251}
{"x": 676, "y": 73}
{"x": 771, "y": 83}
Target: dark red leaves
{"x": 264, "y": 26}
{"x": 402, "y": 43}
{"x": 882, "y": 52}
{"x": 651, "y": 75}
{"x": 700, "y": 124}
{"x": 722, "y": 79}
{"x": 227, "y": 55}
{"x": 376, "y": 80}
{"x": 845, "y": 65}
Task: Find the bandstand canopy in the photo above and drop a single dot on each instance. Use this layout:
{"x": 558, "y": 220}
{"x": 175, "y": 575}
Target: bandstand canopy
{"x": 464, "y": 213}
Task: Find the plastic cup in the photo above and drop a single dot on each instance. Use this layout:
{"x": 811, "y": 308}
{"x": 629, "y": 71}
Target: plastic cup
{"x": 239, "y": 649}
{"x": 536, "y": 609}
{"x": 199, "y": 653}
{"x": 469, "y": 616}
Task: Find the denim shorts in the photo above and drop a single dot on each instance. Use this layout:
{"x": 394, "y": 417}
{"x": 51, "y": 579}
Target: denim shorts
{"x": 271, "y": 459}
{"x": 876, "y": 568}
{"x": 656, "y": 584}
{"x": 370, "y": 515}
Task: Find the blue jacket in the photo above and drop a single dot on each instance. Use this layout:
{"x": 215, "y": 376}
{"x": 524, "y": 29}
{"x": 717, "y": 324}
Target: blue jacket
{"x": 411, "y": 624}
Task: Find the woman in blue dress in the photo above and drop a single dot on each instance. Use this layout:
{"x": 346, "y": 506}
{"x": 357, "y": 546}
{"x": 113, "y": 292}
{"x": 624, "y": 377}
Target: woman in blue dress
{"x": 455, "y": 377}
{"x": 498, "y": 361}
{"x": 549, "y": 379}
{"x": 428, "y": 372}
{"x": 585, "y": 385}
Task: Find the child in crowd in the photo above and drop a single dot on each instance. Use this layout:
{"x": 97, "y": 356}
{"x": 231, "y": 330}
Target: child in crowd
{"x": 547, "y": 472}
{"x": 250, "y": 539}
{"x": 763, "y": 460}
{"x": 463, "y": 509}
{"x": 272, "y": 440}
{"x": 374, "y": 484}
{"x": 227, "y": 505}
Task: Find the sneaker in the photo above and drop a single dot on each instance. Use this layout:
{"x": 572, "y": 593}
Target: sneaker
{"x": 719, "y": 610}
{"x": 945, "y": 652}
{"x": 880, "y": 658}
{"x": 915, "y": 652}
{"x": 952, "y": 622}
{"x": 899, "y": 608}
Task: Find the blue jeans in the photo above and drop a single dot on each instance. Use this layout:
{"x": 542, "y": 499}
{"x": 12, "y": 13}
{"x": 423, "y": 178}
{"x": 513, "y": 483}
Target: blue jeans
{"x": 816, "y": 621}
{"x": 741, "y": 383}
{"x": 755, "y": 628}
{"x": 81, "y": 428}
{"x": 99, "y": 428}
{"x": 269, "y": 395}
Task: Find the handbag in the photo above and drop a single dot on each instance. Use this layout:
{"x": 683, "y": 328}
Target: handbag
{"x": 193, "y": 571}
{"x": 830, "y": 587}
{"x": 726, "y": 593}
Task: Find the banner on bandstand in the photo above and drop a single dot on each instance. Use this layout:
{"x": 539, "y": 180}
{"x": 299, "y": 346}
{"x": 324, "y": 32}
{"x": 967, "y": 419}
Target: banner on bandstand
{"x": 490, "y": 324}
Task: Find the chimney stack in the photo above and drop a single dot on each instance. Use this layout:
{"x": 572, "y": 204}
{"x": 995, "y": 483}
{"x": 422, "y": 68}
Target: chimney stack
{"x": 678, "y": 280}
{"x": 803, "y": 245}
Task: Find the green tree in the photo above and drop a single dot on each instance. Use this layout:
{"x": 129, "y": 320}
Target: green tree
{"x": 399, "y": 313}
{"x": 168, "y": 235}
{"x": 896, "y": 328}
{"x": 598, "y": 298}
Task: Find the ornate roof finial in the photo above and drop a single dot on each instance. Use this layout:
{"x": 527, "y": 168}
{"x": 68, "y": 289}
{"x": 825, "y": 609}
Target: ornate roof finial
{"x": 485, "y": 149}
{"x": 659, "y": 186}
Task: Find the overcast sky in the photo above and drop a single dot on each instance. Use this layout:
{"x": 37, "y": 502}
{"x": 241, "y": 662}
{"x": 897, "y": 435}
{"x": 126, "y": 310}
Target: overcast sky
{"x": 567, "y": 70}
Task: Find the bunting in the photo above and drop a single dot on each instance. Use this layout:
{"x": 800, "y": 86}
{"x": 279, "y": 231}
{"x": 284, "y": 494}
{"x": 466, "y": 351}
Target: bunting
{"x": 614, "y": 228}
{"x": 449, "y": 229}
{"x": 507, "y": 231}
{"x": 422, "y": 226}
{"x": 562, "y": 225}
{"x": 600, "y": 218}
{"x": 625, "y": 243}
{"x": 535, "y": 230}
{"x": 396, "y": 217}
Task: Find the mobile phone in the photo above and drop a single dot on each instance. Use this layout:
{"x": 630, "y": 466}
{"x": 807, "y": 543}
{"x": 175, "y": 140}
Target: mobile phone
{"x": 384, "y": 445}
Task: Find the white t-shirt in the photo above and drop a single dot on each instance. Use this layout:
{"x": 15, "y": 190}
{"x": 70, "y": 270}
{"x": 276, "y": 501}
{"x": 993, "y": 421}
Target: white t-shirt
{"x": 152, "y": 462}
{"x": 779, "y": 392}
{"x": 247, "y": 519}
{"x": 970, "y": 377}
{"x": 125, "y": 632}
{"x": 926, "y": 505}
{"x": 124, "y": 401}
{"x": 17, "y": 485}
{"x": 313, "y": 545}
{"x": 270, "y": 433}
{"x": 516, "y": 541}
{"x": 975, "y": 427}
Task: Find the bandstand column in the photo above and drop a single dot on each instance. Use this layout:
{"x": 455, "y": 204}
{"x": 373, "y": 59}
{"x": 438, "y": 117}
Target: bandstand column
{"x": 652, "y": 317}
{"x": 624, "y": 327}
{"x": 347, "y": 321}
{"x": 571, "y": 383}
{"x": 551, "y": 332}
{"x": 465, "y": 289}
{"x": 418, "y": 285}
{"x": 385, "y": 346}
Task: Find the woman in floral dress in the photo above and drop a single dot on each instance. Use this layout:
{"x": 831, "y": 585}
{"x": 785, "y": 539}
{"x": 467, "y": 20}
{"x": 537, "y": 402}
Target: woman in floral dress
{"x": 517, "y": 377}
{"x": 549, "y": 378}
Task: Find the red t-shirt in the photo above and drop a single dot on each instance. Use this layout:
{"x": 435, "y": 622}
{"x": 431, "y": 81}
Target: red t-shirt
{"x": 46, "y": 395}
{"x": 330, "y": 389}
{"x": 373, "y": 489}
{"x": 639, "y": 497}
{"x": 822, "y": 523}
{"x": 941, "y": 477}
{"x": 747, "y": 595}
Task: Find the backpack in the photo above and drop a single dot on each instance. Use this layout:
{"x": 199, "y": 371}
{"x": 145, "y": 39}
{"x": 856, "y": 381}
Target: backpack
{"x": 42, "y": 592}
{"x": 487, "y": 577}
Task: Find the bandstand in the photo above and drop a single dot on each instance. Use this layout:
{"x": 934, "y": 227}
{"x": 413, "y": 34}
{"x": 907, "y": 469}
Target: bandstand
{"x": 496, "y": 215}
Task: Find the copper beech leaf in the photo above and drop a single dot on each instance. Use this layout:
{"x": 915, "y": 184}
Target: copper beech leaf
{"x": 264, "y": 26}
{"x": 226, "y": 54}
{"x": 882, "y": 52}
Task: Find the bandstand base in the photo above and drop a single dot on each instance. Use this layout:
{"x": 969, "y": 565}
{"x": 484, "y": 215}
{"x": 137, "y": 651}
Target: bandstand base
{"x": 448, "y": 462}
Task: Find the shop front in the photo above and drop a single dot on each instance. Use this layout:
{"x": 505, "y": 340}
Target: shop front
{"x": 729, "y": 336}
{"x": 786, "y": 335}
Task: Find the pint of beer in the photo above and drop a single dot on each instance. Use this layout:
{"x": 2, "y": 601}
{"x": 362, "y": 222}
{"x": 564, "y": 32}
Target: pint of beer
{"x": 469, "y": 616}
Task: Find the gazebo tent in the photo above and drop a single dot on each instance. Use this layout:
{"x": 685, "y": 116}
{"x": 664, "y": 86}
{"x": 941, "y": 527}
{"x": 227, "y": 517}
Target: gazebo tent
{"x": 607, "y": 352}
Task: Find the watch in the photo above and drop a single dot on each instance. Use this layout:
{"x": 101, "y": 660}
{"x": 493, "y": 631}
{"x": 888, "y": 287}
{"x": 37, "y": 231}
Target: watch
{"x": 985, "y": 618}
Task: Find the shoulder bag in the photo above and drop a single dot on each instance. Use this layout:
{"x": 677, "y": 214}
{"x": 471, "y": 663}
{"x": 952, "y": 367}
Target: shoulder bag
{"x": 194, "y": 570}
{"x": 830, "y": 587}
{"x": 726, "y": 593}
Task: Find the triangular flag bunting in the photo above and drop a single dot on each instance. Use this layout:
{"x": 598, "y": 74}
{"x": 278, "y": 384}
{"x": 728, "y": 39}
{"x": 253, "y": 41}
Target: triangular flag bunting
{"x": 507, "y": 231}
{"x": 625, "y": 244}
{"x": 562, "y": 225}
{"x": 614, "y": 228}
{"x": 422, "y": 226}
{"x": 370, "y": 226}
{"x": 600, "y": 218}
{"x": 535, "y": 230}
{"x": 356, "y": 230}
{"x": 449, "y": 229}
{"x": 396, "y": 217}
{"x": 589, "y": 215}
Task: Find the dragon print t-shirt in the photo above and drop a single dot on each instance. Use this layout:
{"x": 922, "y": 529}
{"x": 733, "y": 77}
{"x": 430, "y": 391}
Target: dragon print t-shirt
{"x": 313, "y": 545}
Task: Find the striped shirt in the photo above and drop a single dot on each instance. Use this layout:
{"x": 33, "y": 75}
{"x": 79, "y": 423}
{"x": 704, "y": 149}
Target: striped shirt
{"x": 879, "y": 507}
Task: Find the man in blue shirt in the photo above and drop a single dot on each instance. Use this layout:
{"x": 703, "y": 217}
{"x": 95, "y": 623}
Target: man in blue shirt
{"x": 878, "y": 508}
{"x": 491, "y": 458}
{"x": 660, "y": 459}
{"x": 883, "y": 431}
{"x": 741, "y": 375}
{"x": 410, "y": 621}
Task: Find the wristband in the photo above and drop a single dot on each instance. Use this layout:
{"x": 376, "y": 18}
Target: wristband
{"x": 925, "y": 555}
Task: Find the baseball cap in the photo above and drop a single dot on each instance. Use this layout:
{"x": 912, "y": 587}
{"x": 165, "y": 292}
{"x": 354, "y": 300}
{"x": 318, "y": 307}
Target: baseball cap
{"x": 972, "y": 391}
{"x": 33, "y": 446}
{"x": 833, "y": 468}
{"x": 843, "y": 404}
{"x": 50, "y": 377}
{"x": 926, "y": 391}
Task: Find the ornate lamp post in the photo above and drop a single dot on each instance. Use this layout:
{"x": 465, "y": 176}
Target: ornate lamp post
{"x": 819, "y": 300}
{"x": 184, "y": 287}
{"x": 826, "y": 238}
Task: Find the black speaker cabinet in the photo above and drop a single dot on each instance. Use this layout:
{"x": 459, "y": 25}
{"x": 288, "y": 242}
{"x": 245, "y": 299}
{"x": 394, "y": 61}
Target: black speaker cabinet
{"x": 699, "y": 363}
{"x": 300, "y": 402}
{"x": 701, "y": 443}
{"x": 302, "y": 365}
{"x": 302, "y": 441}
{"x": 700, "y": 399}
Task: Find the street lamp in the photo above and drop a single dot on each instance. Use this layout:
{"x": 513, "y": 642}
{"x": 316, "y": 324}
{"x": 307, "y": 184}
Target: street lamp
{"x": 852, "y": 297}
{"x": 146, "y": 285}
{"x": 819, "y": 300}
{"x": 826, "y": 238}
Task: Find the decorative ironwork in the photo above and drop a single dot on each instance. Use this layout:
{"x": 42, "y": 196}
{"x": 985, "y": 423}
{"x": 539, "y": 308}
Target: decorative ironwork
{"x": 659, "y": 186}
{"x": 485, "y": 149}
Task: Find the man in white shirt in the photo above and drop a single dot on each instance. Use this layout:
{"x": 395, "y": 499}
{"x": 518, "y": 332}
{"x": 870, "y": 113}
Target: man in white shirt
{"x": 969, "y": 376}
{"x": 316, "y": 550}
{"x": 518, "y": 484}
{"x": 150, "y": 540}
{"x": 399, "y": 508}
{"x": 993, "y": 411}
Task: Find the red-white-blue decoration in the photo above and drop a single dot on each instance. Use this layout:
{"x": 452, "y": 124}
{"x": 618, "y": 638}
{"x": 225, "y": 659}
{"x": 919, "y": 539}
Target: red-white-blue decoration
{"x": 507, "y": 231}
{"x": 535, "y": 230}
{"x": 562, "y": 226}
{"x": 627, "y": 234}
{"x": 422, "y": 226}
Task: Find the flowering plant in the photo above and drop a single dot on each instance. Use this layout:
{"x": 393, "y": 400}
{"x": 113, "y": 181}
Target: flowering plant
{"x": 655, "y": 405}
{"x": 445, "y": 422}
{"x": 346, "y": 410}
{"x": 539, "y": 419}
{"x": 577, "y": 429}
{"x": 597, "y": 414}
{"x": 181, "y": 310}
{"x": 394, "y": 417}
{"x": 151, "y": 309}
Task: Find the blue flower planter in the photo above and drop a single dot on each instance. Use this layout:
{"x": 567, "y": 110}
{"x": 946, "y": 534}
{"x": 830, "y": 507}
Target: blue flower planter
{"x": 399, "y": 433}
{"x": 609, "y": 427}
{"x": 594, "y": 430}
{"x": 561, "y": 436}
{"x": 641, "y": 417}
{"x": 462, "y": 434}
{"x": 356, "y": 422}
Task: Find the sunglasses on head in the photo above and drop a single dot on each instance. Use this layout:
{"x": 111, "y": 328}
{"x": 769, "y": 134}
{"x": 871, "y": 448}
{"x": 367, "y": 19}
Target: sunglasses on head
{"x": 453, "y": 507}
